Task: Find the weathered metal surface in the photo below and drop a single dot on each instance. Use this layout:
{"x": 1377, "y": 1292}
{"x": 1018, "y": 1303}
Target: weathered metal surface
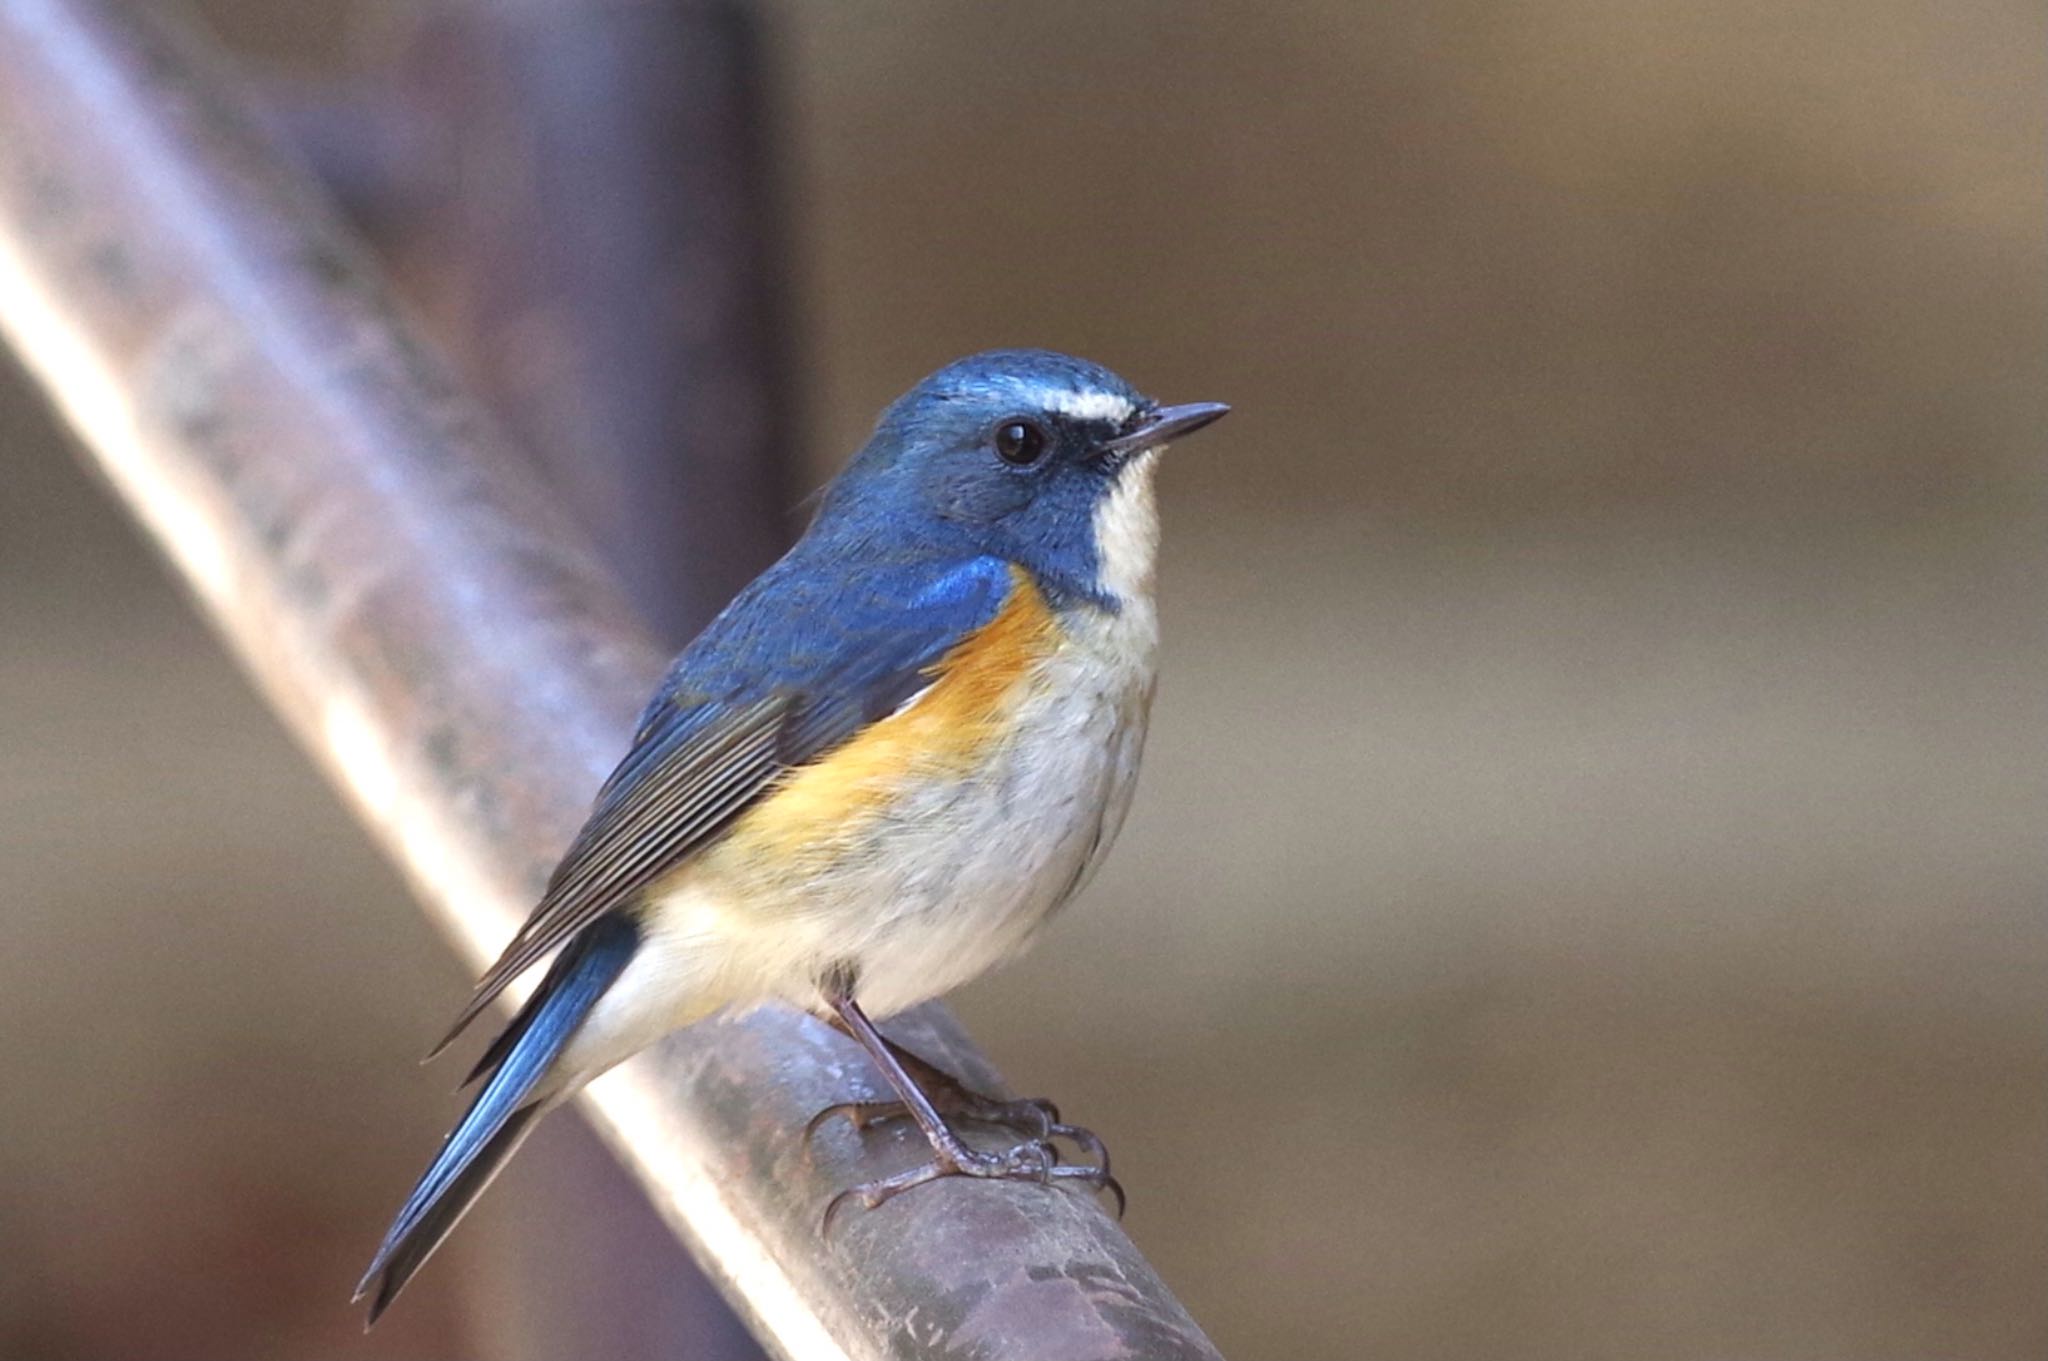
{"x": 444, "y": 642}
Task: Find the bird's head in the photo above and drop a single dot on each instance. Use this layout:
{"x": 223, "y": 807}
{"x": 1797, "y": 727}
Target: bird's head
{"x": 1037, "y": 457}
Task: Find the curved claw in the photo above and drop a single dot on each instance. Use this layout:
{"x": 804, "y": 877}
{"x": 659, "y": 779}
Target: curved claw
{"x": 832, "y": 1208}
{"x": 820, "y": 1120}
{"x": 862, "y": 1115}
{"x": 1095, "y": 1178}
{"x": 1086, "y": 1140}
{"x": 1115, "y": 1188}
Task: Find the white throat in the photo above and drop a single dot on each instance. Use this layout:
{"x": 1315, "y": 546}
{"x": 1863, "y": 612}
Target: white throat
{"x": 1127, "y": 532}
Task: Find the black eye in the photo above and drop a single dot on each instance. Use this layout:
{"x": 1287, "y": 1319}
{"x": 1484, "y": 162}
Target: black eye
{"x": 1020, "y": 443}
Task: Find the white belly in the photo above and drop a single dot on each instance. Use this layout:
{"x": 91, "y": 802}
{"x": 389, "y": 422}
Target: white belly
{"x": 964, "y": 874}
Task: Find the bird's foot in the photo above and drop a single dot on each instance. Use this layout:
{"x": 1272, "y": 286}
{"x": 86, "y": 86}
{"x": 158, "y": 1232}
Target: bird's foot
{"x": 943, "y": 1101}
{"x": 1034, "y": 1117}
{"x": 1035, "y": 1160}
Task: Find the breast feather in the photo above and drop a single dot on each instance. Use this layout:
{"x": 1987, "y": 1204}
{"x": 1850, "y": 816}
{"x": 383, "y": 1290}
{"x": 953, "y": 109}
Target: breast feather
{"x": 948, "y": 730}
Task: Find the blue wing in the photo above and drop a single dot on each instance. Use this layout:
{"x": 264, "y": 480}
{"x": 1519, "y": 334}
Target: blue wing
{"x": 801, "y": 661}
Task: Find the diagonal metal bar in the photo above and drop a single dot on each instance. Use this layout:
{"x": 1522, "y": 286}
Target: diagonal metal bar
{"x": 444, "y": 643}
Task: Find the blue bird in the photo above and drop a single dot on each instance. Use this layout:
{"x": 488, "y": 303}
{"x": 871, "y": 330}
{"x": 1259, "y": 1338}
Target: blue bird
{"x": 874, "y": 776}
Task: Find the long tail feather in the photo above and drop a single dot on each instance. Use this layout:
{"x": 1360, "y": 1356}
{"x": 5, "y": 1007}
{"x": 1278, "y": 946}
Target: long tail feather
{"x": 500, "y": 1117}
{"x": 407, "y": 1250}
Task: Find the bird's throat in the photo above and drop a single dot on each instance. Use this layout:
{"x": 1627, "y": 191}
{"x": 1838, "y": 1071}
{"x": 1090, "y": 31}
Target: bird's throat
{"x": 1127, "y": 532}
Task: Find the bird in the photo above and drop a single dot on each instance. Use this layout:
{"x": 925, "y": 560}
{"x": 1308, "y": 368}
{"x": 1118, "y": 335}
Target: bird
{"x": 875, "y": 775}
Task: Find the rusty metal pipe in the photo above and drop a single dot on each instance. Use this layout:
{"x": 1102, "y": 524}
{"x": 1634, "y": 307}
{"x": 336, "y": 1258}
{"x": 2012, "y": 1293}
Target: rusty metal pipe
{"x": 445, "y": 644}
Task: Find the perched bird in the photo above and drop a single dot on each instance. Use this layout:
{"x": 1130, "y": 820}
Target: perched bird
{"x": 874, "y": 776}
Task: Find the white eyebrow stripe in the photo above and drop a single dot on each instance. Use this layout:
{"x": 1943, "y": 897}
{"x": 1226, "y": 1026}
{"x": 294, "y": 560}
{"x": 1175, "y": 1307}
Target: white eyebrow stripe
{"x": 1089, "y": 406}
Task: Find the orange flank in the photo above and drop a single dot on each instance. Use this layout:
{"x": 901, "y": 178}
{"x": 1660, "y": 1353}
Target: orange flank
{"x": 945, "y": 733}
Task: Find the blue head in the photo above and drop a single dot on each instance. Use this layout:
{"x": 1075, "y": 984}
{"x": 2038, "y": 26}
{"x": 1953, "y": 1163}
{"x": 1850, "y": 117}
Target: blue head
{"x": 1035, "y": 457}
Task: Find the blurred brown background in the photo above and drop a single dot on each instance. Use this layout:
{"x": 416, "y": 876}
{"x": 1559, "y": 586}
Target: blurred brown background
{"x": 1586, "y": 897}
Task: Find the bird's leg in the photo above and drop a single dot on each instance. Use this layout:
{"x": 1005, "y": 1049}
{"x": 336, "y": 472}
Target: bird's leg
{"x": 1032, "y": 1115}
{"x": 1032, "y": 1160}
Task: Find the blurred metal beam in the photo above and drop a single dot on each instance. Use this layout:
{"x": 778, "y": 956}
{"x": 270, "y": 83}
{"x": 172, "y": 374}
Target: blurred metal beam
{"x": 596, "y": 243}
{"x": 438, "y": 633}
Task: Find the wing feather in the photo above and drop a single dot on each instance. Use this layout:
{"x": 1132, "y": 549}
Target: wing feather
{"x": 748, "y": 701}
{"x": 646, "y": 825}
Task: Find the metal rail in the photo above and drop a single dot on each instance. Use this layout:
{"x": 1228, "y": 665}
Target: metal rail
{"x": 443, "y": 641}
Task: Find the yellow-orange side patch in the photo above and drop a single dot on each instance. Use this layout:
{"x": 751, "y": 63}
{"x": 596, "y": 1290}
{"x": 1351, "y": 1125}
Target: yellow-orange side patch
{"x": 950, "y": 729}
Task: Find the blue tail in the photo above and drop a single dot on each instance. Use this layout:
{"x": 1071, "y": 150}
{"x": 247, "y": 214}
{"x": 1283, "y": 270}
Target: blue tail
{"x": 500, "y": 1116}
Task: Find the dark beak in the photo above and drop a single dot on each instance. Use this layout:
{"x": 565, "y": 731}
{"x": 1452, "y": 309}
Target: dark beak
{"x": 1168, "y": 423}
